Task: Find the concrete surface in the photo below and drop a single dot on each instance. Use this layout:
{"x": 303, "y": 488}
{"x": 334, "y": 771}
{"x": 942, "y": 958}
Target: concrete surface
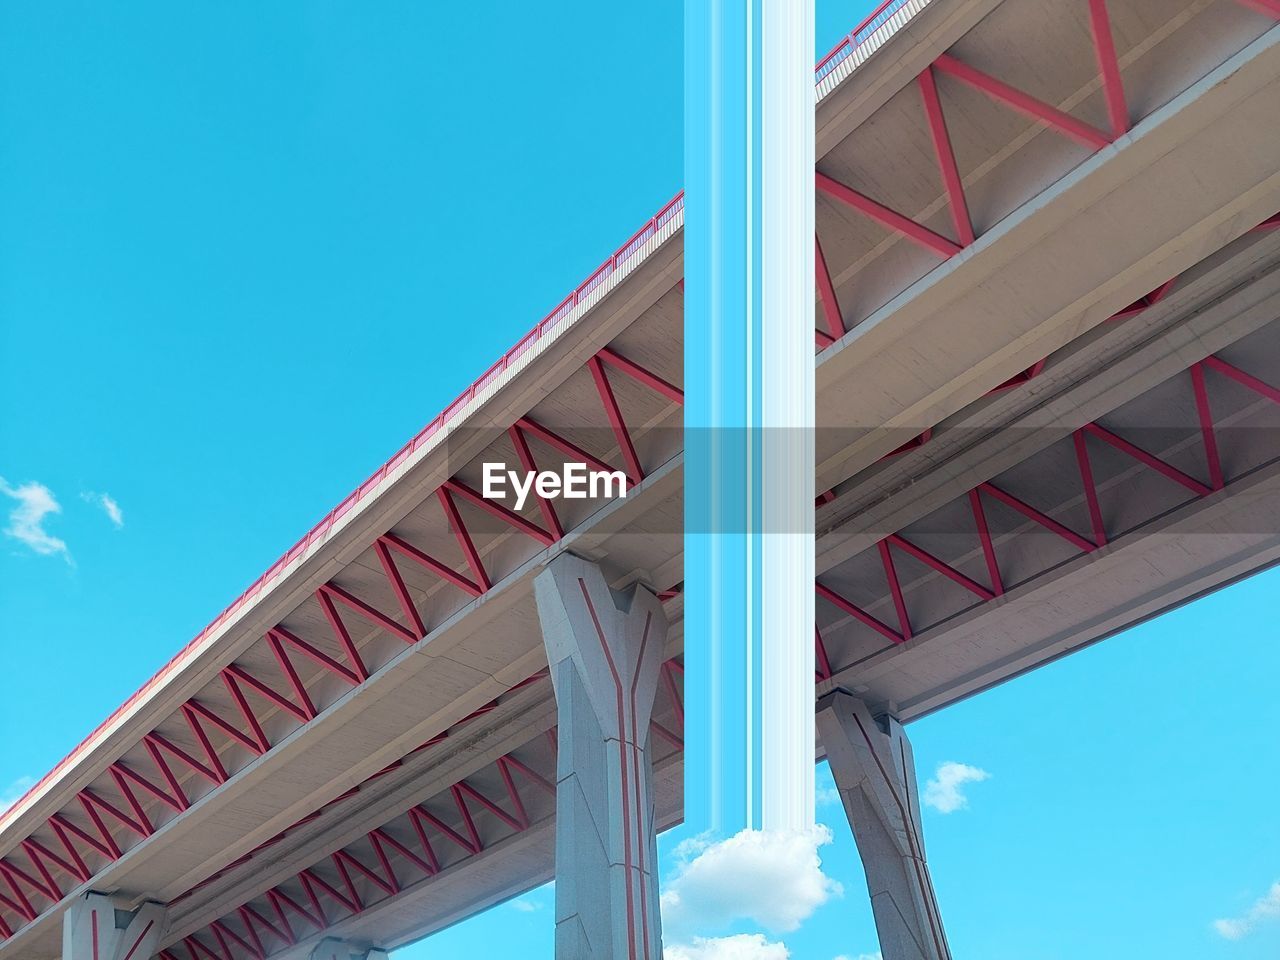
{"x": 874, "y": 770}
{"x": 605, "y": 650}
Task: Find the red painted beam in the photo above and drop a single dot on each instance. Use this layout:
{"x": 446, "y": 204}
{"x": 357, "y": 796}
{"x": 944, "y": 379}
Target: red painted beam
{"x": 398, "y": 587}
{"x": 383, "y": 861}
{"x": 15, "y": 873}
{"x": 119, "y": 770}
{"x": 940, "y": 566}
{"x": 946, "y": 157}
{"x": 545, "y": 506}
{"x": 246, "y": 712}
{"x": 22, "y": 906}
{"x": 239, "y": 675}
{"x": 37, "y": 861}
{"x": 281, "y": 932}
{"x": 369, "y": 612}
{"x": 1239, "y": 376}
{"x": 827, "y": 294}
{"x": 291, "y": 674}
{"x": 532, "y": 775}
{"x": 195, "y": 709}
{"x": 1031, "y": 513}
{"x": 92, "y": 803}
{"x": 564, "y": 446}
{"x": 521, "y": 815}
{"x": 431, "y": 563}
{"x": 422, "y": 813}
{"x": 259, "y": 947}
{"x": 426, "y": 866}
{"x": 468, "y": 790}
{"x": 895, "y": 590}
{"x": 427, "y": 849}
{"x": 918, "y": 233}
{"x": 1208, "y": 436}
{"x": 1268, "y": 8}
{"x": 344, "y": 859}
{"x": 820, "y": 652}
{"x": 316, "y": 655}
{"x": 620, "y": 432}
{"x": 106, "y": 847}
{"x": 76, "y": 867}
{"x": 641, "y": 374}
{"x": 497, "y": 510}
{"x": 1024, "y": 103}
{"x": 1150, "y": 460}
{"x": 1104, "y": 48}
{"x": 153, "y": 748}
{"x": 855, "y": 611}
{"x": 122, "y": 784}
{"x": 1090, "y": 488}
{"x": 461, "y": 803}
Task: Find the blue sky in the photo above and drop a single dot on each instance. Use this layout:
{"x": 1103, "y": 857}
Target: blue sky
{"x": 247, "y": 250}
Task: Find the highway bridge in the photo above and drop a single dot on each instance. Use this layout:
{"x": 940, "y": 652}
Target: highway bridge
{"x": 1047, "y": 391}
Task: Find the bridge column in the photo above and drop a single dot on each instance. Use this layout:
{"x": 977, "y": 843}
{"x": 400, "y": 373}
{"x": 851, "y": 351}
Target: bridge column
{"x": 873, "y": 768}
{"x": 100, "y": 927}
{"x": 332, "y": 948}
{"x": 605, "y": 650}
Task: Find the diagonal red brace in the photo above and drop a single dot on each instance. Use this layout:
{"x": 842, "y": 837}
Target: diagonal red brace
{"x": 895, "y": 221}
{"x": 1024, "y": 103}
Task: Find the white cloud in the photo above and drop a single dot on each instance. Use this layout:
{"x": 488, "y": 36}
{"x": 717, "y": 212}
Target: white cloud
{"x": 861, "y": 956}
{"x": 1266, "y": 907}
{"x": 773, "y": 878}
{"x": 740, "y": 946}
{"x": 15, "y": 792}
{"x": 525, "y": 906}
{"x": 945, "y": 791}
{"x": 108, "y": 505}
{"x": 825, "y": 792}
{"x": 26, "y": 520}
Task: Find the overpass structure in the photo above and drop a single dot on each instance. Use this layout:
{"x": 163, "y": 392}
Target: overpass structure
{"x": 1048, "y": 382}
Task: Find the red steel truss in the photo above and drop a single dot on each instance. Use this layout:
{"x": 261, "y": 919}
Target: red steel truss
{"x": 1085, "y": 437}
{"x": 1135, "y": 308}
{"x": 441, "y": 833}
{"x": 434, "y": 836}
{"x": 1054, "y": 119}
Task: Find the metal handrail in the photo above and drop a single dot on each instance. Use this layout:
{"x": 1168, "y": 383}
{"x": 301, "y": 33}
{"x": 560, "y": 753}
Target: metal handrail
{"x": 841, "y": 51}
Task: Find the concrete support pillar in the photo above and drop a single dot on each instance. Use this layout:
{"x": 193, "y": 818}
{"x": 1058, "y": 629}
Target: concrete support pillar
{"x": 333, "y": 948}
{"x": 100, "y": 927}
{"x": 873, "y": 768}
{"x": 605, "y": 650}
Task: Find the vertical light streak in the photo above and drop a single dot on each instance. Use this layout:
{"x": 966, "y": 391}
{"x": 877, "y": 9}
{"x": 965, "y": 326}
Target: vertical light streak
{"x": 749, "y": 320}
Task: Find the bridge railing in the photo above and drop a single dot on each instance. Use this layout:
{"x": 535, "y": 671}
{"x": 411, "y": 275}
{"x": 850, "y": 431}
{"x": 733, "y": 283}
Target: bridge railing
{"x": 841, "y": 51}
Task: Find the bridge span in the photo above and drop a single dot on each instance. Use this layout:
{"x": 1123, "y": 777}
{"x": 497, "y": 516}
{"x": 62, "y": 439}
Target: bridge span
{"x": 1048, "y": 386}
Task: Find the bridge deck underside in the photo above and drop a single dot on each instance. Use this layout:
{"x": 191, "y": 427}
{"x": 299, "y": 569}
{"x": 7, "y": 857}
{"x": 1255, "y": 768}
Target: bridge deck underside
{"x": 1003, "y": 156}
{"x": 963, "y": 571}
{"x": 370, "y": 747}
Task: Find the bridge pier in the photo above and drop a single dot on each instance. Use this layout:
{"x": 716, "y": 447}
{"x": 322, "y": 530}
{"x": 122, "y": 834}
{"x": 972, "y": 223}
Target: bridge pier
{"x": 605, "y": 650}
{"x": 873, "y": 767}
{"x": 100, "y": 927}
{"x": 333, "y": 948}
